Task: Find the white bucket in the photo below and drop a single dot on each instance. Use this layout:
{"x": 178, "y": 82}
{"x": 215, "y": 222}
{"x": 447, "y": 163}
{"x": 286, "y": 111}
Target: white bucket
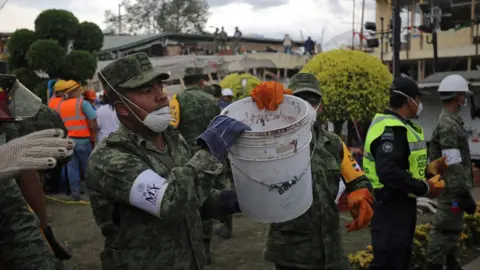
{"x": 271, "y": 164}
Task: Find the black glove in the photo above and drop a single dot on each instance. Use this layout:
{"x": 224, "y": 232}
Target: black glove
{"x": 228, "y": 202}
{"x": 467, "y": 203}
{"x": 220, "y": 135}
{"x": 57, "y": 249}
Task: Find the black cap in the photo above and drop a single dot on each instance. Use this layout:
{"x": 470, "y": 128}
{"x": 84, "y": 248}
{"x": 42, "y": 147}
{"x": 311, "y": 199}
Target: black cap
{"x": 406, "y": 86}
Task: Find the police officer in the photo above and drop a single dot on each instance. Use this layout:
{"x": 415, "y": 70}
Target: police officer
{"x": 395, "y": 161}
{"x": 449, "y": 140}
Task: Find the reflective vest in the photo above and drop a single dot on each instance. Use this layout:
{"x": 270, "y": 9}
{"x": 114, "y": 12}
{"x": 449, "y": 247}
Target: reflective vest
{"x": 54, "y": 103}
{"x": 75, "y": 120}
{"x": 416, "y": 143}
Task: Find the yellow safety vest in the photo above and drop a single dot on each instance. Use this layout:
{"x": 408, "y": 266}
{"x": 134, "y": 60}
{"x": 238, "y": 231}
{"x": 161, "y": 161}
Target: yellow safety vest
{"x": 416, "y": 143}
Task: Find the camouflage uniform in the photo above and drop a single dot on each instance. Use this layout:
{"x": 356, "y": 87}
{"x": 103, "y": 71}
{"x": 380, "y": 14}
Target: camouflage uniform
{"x": 46, "y": 118}
{"x": 21, "y": 243}
{"x": 134, "y": 238}
{"x": 197, "y": 109}
{"x": 312, "y": 240}
{"x": 447, "y": 226}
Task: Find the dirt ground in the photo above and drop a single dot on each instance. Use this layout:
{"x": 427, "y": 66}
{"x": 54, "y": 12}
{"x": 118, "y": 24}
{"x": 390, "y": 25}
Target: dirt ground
{"x": 75, "y": 228}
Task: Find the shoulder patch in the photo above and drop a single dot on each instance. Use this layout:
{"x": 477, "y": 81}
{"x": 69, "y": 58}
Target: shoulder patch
{"x": 387, "y": 147}
{"x": 388, "y": 135}
{"x": 175, "y": 111}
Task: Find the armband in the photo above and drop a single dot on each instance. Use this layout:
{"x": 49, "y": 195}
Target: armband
{"x": 147, "y": 192}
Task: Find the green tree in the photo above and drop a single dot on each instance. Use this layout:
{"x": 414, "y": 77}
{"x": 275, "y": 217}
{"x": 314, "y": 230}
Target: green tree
{"x": 176, "y": 16}
{"x": 79, "y": 66}
{"x": 56, "y": 24}
{"x": 234, "y": 82}
{"x": 89, "y": 37}
{"x": 46, "y": 55}
{"x": 18, "y": 46}
{"x": 354, "y": 84}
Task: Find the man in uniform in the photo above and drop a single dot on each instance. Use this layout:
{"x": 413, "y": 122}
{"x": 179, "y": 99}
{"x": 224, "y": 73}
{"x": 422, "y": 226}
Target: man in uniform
{"x": 192, "y": 110}
{"x": 450, "y": 140}
{"x": 21, "y": 243}
{"x": 312, "y": 241}
{"x": 147, "y": 189}
{"x": 395, "y": 161}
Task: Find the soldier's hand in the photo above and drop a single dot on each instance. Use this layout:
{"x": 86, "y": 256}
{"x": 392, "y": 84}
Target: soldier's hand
{"x": 36, "y": 151}
{"x": 437, "y": 166}
{"x": 268, "y": 95}
{"x": 436, "y": 186}
{"x": 467, "y": 203}
{"x": 360, "y": 204}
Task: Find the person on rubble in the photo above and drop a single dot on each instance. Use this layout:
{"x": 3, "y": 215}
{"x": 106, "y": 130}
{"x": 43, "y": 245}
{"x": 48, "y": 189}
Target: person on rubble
{"x": 192, "y": 111}
{"x": 449, "y": 140}
{"x": 395, "y": 162}
{"x": 295, "y": 244}
{"x": 22, "y": 245}
{"x": 147, "y": 189}
{"x": 79, "y": 118}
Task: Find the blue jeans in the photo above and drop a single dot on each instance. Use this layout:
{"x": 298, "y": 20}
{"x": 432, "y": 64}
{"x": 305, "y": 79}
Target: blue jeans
{"x": 78, "y": 165}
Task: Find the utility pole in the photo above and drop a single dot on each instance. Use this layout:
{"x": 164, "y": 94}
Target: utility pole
{"x": 361, "y": 23}
{"x": 353, "y": 26}
{"x": 119, "y": 19}
{"x": 396, "y": 21}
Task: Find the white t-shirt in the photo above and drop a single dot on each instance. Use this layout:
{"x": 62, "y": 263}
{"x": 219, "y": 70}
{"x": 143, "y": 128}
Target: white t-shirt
{"x": 107, "y": 121}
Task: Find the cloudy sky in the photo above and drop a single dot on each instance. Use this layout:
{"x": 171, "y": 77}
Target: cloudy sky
{"x": 271, "y": 18}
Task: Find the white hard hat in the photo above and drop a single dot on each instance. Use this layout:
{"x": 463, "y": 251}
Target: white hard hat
{"x": 227, "y": 92}
{"x": 453, "y": 84}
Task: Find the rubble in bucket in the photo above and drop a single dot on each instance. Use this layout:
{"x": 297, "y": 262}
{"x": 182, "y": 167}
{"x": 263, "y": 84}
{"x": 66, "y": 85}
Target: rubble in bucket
{"x": 271, "y": 163}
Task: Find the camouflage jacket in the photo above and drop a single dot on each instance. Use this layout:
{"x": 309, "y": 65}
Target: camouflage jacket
{"x": 135, "y": 239}
{"x": 21, "y": 243}
{"x": 312, "y": 241}
{"x": 450, "y": 135}
{"x": 197, "y": 109}
{"x": 46, "y": 118}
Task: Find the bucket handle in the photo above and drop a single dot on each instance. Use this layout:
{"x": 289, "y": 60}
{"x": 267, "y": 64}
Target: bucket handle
{"x": 284, "y": 186}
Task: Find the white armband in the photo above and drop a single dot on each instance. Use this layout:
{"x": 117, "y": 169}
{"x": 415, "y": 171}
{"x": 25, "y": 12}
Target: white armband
{"x": 147, "y": 192}
{"x": 453, "y": 156}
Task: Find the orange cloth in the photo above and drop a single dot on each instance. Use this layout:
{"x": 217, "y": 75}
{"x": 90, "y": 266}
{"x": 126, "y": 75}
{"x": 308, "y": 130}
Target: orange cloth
{"x": 360, "y": 204}
{"x": 54, "y": 103}
{"x": 436, "y": 185}
{"x": 437, "y": 166}
{"x": 74, "y": 119}
{"x": 268, "y": 95}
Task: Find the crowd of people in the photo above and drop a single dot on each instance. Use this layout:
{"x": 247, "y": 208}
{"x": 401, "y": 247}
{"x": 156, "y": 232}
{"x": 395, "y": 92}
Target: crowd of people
{"x": 158, "y": 180}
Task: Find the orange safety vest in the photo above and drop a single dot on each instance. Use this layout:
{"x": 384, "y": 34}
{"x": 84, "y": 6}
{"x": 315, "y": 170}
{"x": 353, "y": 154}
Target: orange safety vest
{"x": 54, "y": 103}
{"x": 75, "y": 120}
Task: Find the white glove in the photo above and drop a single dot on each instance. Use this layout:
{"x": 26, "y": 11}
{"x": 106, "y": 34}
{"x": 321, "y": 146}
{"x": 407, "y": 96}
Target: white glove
{"x": 426, "y": 203}
{"x": 36, "y": 151}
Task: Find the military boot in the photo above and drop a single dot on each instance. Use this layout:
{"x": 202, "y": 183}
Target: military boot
{"x": 452, "y": 263}
{"x": 225, "y": 230}
{"x": 208, "y": 255}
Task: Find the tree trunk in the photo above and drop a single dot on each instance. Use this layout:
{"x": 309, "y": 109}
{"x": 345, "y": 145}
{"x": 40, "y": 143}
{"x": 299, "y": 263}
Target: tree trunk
{"x": 337, "y": 127}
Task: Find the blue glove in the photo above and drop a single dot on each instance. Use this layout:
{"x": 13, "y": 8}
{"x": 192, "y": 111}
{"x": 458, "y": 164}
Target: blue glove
{"x": 220, "y": 135}
{"x": 228, "y": 202}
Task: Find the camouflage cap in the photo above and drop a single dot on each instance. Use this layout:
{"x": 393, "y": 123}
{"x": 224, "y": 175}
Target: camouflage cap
{"x": 193, "y": 71}
{"x": 304, "y": 82}
{"x": 131, "y": 71}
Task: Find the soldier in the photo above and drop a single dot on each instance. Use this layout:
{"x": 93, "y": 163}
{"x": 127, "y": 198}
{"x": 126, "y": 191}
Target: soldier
{"x": 449, "y": 140}
{"x": 21, "y": 243}
{"x": 146, "y": 188}
{"x": 312, "y": 241}
{"x": 215, "y": 41}
{"x": 223, "y": 37}
{"x": 192, "y": 111}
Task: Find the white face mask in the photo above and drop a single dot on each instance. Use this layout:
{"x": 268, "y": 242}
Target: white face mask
{"x": 159, "y": 120}
{"x": 419, "y": 105}
{"x": 465, "y": 104}
{"x": 312, "y": 112}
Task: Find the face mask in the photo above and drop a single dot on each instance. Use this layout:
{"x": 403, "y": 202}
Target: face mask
{"x": 464, "y": 105}
{"x": 420, "y": 108}
{"x": 419, "y": 105}
{"x": 159, "y": 120}
{"x": 312, "y": 113}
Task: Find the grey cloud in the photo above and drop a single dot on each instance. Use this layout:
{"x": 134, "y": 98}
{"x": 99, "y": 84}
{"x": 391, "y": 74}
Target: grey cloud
{"x": 42, "y": 4}
{"x": 255, "y": 3}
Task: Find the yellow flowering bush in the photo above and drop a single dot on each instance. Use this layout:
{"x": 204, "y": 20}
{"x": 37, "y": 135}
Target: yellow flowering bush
{"x": 355, "y": 85}
{"x": 234, "y": 82}
{"x": 469, "y": 238}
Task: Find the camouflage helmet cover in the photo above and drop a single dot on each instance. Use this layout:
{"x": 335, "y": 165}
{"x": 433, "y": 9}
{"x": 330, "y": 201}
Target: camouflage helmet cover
{"x": 304, "y": 82}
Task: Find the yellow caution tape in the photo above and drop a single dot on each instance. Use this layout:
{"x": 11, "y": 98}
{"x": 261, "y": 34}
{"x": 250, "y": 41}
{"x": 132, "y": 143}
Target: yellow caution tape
{"x": 67, "y": 202}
